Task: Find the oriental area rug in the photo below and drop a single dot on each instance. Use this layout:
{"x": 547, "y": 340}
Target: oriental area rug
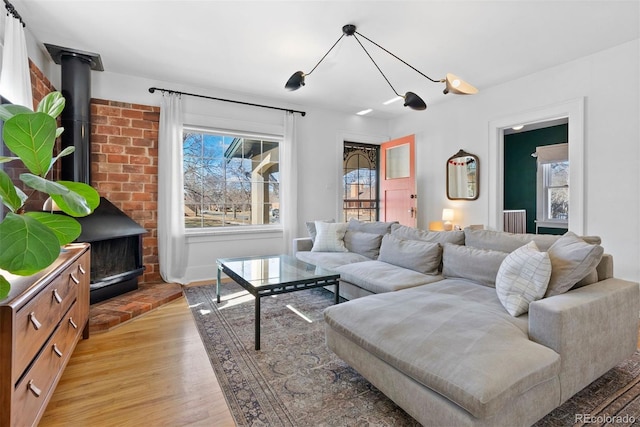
{"x": 295, "y": 380}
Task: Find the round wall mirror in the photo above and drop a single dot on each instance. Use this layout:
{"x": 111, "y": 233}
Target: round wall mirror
{"x": 463, "y": 171}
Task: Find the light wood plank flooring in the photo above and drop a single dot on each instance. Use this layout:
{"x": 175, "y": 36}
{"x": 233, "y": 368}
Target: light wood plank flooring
{"x": 152, "y": 371}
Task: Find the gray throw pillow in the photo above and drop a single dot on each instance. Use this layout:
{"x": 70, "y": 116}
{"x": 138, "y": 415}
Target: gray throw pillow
{"x": 366, "y": 244}
{"x": 311, "y": 228}
{"x": 409, "y": 233}
{"x": 376, "y": 227}
{"x": 572, "y": 259}
{"x": 478, "y": 265}
{"x": 423, "y": 257}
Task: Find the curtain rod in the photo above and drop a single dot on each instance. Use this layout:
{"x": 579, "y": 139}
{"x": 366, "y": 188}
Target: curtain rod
{"x": 12, "y": 10}
{"x": 153, "y": 89}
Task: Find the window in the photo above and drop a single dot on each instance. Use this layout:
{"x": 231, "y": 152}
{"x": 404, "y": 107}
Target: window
{"x": 553, "y": 186}
{"x": 230, "y": 180}
{"x": 360, "y": 181}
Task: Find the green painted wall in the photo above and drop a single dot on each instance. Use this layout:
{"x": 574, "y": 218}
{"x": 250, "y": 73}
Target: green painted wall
{"x": 520, "y": 170}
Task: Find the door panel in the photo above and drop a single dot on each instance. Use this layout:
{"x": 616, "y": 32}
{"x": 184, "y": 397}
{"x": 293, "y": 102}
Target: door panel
{"x": 398, "y": 200}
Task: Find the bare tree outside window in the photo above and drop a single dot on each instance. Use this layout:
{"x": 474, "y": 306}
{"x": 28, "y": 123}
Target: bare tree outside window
{"x": 230, "y": 180}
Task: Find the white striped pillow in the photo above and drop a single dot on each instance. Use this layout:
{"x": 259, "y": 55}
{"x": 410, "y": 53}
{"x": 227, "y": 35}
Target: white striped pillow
{"x": 523, "y": 277}
{"x": 330, "y": 237}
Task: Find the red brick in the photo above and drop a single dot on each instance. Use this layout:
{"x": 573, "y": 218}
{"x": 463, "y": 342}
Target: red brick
{"x": 133, "y": 187}
{"x": 118, "y": 177}
{"x": 139, "y": 160}
{"x": 119, "y": 121}
{"x": 119, "y": 140}
{"x": 132, "y": 132}
{"x": 142, "y": 124}
{"x": 133, "y": 169}
{"x": 144, "y": 142}
{"x": 107, "y": 130}
{"x": 118, "y": 158}
{"x": 103, "y": 110}
{"x": 136, "y": 151}
{"x": 112, "y": 149}
{"x": 132, "y": 114}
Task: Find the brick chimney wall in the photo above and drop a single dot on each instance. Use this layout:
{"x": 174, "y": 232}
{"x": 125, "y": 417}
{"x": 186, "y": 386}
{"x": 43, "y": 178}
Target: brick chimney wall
{"x": 124, "y": 167}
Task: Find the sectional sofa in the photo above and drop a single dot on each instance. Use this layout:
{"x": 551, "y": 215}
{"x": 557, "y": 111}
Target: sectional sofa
{"x": 474, "y": 327}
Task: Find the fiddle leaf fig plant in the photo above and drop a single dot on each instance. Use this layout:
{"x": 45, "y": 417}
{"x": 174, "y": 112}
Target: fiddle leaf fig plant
{"x": 32, "y": 241}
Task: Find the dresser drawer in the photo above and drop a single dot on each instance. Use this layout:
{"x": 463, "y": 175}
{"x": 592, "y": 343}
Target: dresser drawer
{"x": 36, "y": 320}
{"x": 33, "y": 389}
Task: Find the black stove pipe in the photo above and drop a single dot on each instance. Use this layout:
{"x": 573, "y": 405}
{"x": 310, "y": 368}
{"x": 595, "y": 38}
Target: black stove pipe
{"x": 75, "y": 118}
{"x": 76, "y": 66}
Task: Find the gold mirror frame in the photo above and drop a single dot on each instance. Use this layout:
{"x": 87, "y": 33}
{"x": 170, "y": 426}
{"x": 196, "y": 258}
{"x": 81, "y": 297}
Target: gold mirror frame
{"x": 463, "y": 185}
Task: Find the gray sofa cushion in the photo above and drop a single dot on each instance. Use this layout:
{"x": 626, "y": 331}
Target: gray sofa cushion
{"x": 572, "y": 259}
{"x": 410, "y": 233}
{"x": 423, "y": 257}
{"x": 367, "y": 244}
{"x": 452, "y": 336}
{"x": 379, "y": 276}
{"x": 330, "y": 260}
{"x": 509, "y": 242}
{"x": 505, "y": 242}
{"x": 376, "y": 227}
{"x": 465, "y": 262}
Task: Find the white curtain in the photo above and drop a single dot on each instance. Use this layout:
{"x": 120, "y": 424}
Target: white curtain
{"x": 15, "y": 78}
{"x": 289, "y": 186}
{"x": 171, "y": 241}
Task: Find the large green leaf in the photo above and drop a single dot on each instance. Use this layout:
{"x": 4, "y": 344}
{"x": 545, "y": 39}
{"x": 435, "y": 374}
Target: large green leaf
{"x": 5, "y": 287}
{"x": 52, "y": 104}
{"x": 27, "y": 245}
{"x": 31, "y": 137}
{"x": 8, "y": 194}
{"x": 81, "y": 199}
{"x": 9, "y": 110}
{"x": 64, "y": 227}
{"x": 42, "y": 184}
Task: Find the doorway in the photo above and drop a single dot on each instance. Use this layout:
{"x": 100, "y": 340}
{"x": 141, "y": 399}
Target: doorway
{"x": 573, "y": 112}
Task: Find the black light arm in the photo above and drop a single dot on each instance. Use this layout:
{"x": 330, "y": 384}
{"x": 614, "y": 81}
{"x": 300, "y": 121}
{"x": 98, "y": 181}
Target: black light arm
{"x": 296, "y": 81}
{"x": 399, "y": 59}
{"x": 411, "y": 100}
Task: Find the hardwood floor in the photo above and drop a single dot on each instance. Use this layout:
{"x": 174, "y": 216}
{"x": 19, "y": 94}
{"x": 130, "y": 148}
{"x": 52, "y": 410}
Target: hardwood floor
{"x": 151, "y": 371}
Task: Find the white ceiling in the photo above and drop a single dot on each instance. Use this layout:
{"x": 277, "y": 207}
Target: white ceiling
{"x": 253, "y": 47}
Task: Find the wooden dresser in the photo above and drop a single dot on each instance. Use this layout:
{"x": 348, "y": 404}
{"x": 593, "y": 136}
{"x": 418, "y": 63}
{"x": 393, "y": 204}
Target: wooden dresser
{"x": 41, "y": 321}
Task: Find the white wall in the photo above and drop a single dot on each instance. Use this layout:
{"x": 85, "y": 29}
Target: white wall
{"x": 319, "y": 136}
{"x": 610, "y": 83}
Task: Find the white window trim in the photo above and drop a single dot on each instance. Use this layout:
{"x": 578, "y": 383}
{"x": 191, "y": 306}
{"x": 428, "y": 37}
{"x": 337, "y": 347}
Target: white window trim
{"x": 241, "y": 229}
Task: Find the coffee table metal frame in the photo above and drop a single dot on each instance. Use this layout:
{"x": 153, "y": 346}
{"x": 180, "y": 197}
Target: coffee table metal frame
{"x": 263, "y": 290}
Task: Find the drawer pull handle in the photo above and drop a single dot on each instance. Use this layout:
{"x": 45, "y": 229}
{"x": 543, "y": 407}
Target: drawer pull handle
{"x": 35, "y": 390}
{"x": 81, "y": 269}
{"x": 57, "y": 351}
{"x": 32, "y": 317}
{"x": 57, "y": 296}
{"x": 75, "y": 280}
{"x": 73, "y": 323}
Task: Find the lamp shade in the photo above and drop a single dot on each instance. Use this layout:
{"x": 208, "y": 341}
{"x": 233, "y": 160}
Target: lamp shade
{"x": 414, "y": 102}
{"x": 447, "y": 214}
{"x": 455, "y": 84}
{"x": 296, "y": 81}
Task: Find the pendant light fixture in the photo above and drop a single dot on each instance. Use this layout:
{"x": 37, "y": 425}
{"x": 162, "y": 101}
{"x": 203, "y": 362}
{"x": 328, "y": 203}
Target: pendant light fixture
{"x": 453, "y": 84}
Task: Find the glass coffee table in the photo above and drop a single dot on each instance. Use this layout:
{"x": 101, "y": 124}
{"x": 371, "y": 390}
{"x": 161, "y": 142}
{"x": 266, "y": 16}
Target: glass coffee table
{"x": 272, "y": 275}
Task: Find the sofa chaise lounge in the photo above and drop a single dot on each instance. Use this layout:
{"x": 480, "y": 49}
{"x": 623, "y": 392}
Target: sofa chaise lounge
{"x": 438, "y": 336}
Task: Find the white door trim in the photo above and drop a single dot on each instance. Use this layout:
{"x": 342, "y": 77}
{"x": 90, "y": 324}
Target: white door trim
{"x": 574, "y": 111}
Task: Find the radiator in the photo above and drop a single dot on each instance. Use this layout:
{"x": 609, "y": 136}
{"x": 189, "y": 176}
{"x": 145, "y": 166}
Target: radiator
{"x": 515, "y": 221}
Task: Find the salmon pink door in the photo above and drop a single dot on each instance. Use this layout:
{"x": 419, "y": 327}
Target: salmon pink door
{"x": 398, "y": 198}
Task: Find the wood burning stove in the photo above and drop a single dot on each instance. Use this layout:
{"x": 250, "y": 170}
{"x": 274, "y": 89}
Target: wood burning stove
{"x": 116, "y": 239}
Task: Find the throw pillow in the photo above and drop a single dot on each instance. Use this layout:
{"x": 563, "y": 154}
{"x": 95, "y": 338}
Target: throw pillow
{"x": 329, "y": 237}
{"x": 376, "y": 227}
{"x": 523, "y": 278}
{"x": 572, "y": 259}
{"x": 478, "y": 265}
{"x": 410, "y": 233}
{"x": 311, "y": 228}
{"x": 423, "y": 257}
{"x": 366, "y": 244}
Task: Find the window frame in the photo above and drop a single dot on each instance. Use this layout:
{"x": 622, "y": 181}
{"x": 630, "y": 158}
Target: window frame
{"x": 543, "y": 187}
{"x": 237, "y": 229}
